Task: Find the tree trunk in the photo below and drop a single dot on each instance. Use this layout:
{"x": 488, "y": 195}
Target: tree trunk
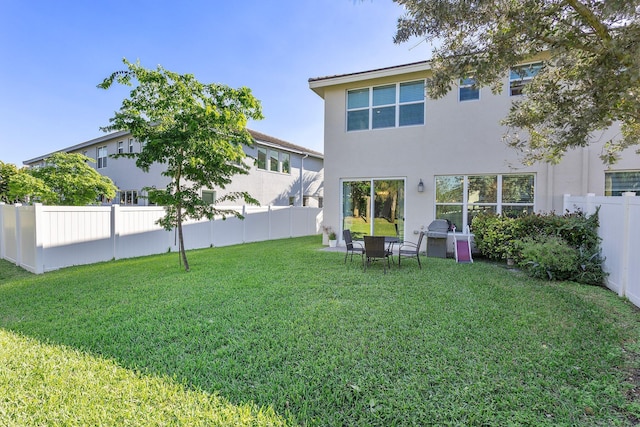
{"x": 183, "y": 254}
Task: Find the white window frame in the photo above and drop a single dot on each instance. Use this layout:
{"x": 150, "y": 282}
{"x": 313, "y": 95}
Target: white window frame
{"x": 120, "y": 147}
{"x": 101, "y": 157}
{"x": 129, "y": 197}
{"x": 498, "y": 204}
{"x": 609, "y": 183}
{"x": 520, "y": 82}
{"x": 211, "y": 193}
{"x": 463, "y": 85}
{"x": 130, "y": 148}
{"x": 397, "y": 104}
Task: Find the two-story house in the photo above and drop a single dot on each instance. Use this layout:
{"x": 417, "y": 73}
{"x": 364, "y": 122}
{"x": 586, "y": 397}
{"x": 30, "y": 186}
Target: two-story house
{"x": 281, "y": 173}
{"x": 397, "y": 160}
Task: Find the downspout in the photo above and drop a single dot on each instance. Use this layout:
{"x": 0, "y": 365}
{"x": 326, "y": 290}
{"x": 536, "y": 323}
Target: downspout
{"x": 301, "y": 179}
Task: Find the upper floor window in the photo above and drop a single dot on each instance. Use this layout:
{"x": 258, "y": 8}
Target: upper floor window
{"x": 468, "y": 90}
{"x": 102, "y": 157}
{"x": 273, "y": 160}
{"x": 120, "y": 147}
{"x": 130, "y": 148}
{"x": 394, "y": 105}
{"x": 521, "y": 75}
{"x": 616, "y": 183}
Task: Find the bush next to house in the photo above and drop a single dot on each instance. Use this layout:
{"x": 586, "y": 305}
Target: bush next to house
{"x": 556, "y": 247}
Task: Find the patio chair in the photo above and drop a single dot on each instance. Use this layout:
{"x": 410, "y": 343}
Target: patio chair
{"x": 352, "y": 247}
{"x": 411, "y": 250}
{"x": 374, "y": 248}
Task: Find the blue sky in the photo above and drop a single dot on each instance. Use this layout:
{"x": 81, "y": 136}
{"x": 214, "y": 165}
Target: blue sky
{"x": 54, "y": 53}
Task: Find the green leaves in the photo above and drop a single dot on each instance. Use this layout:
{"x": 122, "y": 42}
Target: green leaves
{"x": 64, "y": 179}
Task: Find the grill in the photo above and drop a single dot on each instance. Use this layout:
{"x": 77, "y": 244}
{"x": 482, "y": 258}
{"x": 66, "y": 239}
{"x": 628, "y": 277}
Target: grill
{"x": 437, "y": 238}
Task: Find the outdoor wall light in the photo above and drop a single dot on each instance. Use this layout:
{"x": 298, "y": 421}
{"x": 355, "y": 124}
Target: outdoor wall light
{"x": 420, "y": 186}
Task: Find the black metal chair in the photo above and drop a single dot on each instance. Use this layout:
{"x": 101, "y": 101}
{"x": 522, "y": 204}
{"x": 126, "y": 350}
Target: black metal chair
{"x": 374, "y": 248}
{"x": 352, "y": 247}
{"x": 411, "y": 250}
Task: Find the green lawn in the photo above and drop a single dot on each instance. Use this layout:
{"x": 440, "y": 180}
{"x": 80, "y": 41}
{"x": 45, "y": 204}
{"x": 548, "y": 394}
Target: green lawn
{"x": 279, "y": 333}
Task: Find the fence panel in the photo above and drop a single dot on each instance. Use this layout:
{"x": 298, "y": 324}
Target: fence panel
{"x": 43, "y": 238}
{"x": 10, "y": 227}
{"x": 619, "y": 219}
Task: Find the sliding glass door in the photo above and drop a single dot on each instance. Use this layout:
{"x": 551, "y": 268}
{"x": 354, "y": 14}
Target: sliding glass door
{"x": 373, "y": 207}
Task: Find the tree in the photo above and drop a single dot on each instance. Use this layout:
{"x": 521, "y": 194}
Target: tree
{"x": 63, "y": 179}
{"x": 7, "y": 171}
{"x": 589, "y": 81}
{"x": 196, "y": 130}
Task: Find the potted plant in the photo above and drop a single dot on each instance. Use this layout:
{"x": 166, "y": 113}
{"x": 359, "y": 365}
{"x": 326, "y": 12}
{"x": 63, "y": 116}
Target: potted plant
{"x": 333, "y": 238}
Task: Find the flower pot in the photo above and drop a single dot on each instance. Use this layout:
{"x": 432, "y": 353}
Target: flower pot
{"x": 333, "y": 243}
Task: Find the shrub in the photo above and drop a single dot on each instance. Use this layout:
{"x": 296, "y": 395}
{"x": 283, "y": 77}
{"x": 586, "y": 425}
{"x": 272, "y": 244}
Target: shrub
{"x": 547, "y": 257}
{"x": 534, "y": 240}
{"x": 493, "y": 235}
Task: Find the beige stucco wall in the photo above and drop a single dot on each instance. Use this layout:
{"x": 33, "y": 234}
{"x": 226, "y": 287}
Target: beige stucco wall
{"x": 458, "y": 138}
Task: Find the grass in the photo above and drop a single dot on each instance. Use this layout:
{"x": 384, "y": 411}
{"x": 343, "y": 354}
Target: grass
{"x": 279, "y": 333}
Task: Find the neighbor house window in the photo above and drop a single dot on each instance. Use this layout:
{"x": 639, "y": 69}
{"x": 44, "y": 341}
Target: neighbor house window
{"x": 521, "y": 76}
{"x": 393, "y": 105}
{"x": 616, "y": 183}
{"x": 130, "y": 145}
{"x": 102, "y": 157}
{"x": 468, "y": 90}
{"x": 460, "y": 198}
{"x": 128, "y": 197}
{"x": 120, "y": 147}
{"x": 262, "y": 158}
{"x": 285, "y": 159}
{"x": 209, "y": 197}
{"x": 273, "y": 161}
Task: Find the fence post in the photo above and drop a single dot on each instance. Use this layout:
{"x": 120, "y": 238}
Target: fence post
{"x": 626, "y": 242}
{"x": 565, "y": 202}
{"x": 269, "y": 213}
{"x": 244, "y": 226}
{"x": 38, "y": 231}
{"x": 3, "y": 234}
{"x": 18, "y": 235}
{"x": 589, "y": 208}
{"x": 113, "y": 236}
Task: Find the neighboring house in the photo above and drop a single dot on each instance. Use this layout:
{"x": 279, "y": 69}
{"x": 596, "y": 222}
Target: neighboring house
{"x": 281, "y": 173}
{"x": 396, "y": 160}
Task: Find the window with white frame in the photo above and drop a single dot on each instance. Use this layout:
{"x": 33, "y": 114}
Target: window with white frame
{"x": 209, "y": 197}
{"x": 459, "y": 198}
{"x": 393, "y": 105}
{"x": 468, "y": 91}
{"x": 285, "y": 162}
{"x": 261, "y": 162}
{"x": 521, "y": 75}
{"x": 130, "y": 148}
{"x": 128, "y": 197}
{"x": 102, "y": 157}
{"x": 273, "y": 160}
{"x": 616, "y": 183}
{"x": 120, "y": 147}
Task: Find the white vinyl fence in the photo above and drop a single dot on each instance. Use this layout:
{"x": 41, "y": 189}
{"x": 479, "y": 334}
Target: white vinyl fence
{"x": 619, "y": 219}
{"x": 43, "y": 238}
